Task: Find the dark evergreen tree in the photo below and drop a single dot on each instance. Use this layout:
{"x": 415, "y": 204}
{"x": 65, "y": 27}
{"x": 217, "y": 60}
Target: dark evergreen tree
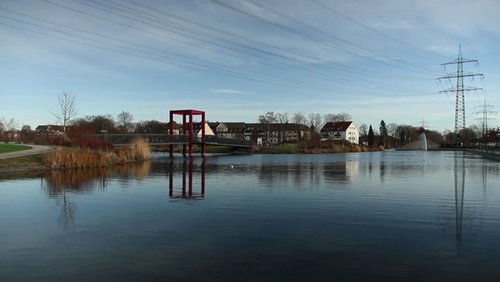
{"x": 383, "y": 132}
{"x": 371, "y": 136}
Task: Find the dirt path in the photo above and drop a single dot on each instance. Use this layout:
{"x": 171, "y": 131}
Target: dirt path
{"x": 35, "y": 149}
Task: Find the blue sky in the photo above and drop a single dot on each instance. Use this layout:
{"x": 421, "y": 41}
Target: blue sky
{"x": 239, "y": 59}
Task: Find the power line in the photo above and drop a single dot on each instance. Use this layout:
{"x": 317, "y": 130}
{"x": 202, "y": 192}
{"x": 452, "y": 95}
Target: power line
{"x": 349, "y": 81}
{"x": 349, "y": 44}
{"x": 266, "y": 60}
{"x": 163, "y": 35}
{"x": 374, "y": 30}
{"x": 161, "y": 58}
{"x": 109, "y": 43}
{"x": 263, "y": 60}
{"x": 346, "y": 68}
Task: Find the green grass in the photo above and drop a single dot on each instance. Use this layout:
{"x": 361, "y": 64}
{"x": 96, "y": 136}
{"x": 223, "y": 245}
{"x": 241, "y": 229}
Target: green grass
{"x": 7, "y": 148}
{"x": 22, "y": 162}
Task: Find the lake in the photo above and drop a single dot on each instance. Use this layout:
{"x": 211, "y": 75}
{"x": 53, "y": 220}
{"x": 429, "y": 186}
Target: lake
{"x": 379, "y": 216}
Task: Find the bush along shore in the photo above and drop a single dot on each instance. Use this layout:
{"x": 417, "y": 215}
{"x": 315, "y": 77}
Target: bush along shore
{"x": 138, "y": 150}
{"x": 296, "y": 149}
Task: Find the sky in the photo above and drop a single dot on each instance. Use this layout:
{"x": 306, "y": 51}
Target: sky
{"x": 236, "y": 60}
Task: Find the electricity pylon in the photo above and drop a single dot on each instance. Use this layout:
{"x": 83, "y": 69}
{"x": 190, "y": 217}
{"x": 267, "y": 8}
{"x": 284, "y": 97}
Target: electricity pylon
{"x": 460, "y": 89}
{"x": 486, "y": 109}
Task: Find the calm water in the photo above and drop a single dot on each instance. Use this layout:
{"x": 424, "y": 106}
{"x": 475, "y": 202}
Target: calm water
{"x": 391, "y": 216}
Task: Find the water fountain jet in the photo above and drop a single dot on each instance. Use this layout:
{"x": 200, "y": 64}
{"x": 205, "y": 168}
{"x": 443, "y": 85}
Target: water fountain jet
{"x": 422, "y": 140}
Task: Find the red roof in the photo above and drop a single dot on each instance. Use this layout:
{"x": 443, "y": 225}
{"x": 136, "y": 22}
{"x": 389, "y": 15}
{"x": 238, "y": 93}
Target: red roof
{"x": 336, "y": 126}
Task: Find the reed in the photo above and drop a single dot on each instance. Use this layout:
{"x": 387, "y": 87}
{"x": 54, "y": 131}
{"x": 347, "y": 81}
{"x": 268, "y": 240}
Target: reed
{"x": 138, "y": 150}
{"x": 356, "y": 148}
{"x": 339, "y": 149}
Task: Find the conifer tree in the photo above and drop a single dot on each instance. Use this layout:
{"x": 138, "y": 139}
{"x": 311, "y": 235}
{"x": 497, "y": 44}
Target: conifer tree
{"x": 371, "y": 136}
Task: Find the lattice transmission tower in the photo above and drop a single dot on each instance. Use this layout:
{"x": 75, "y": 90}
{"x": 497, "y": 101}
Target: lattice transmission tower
{"x": 486, "y": 111}
{"x": 460, "y": 89}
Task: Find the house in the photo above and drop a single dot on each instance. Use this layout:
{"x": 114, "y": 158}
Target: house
{"x": 231, "y": 130}
{"x": 176, "y": 128}
{"x": 341, "y": 130}
{"x": 279, "y": 133}
{"x": 255, "y": 132}
{"x": 50, "y": 129}
{"x": 275, "y": 133}
{"x": 261, "y": 133}
{"x": 492, "y": 139}
{"x": 197, "y": 128}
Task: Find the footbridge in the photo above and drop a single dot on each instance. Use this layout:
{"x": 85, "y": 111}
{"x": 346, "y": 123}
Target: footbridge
{"x": 188, "y": 133}
{"x": 168, "y": 139}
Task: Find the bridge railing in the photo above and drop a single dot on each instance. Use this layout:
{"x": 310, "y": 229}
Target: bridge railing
{"x": 227, "y": 141}
{"x": 122, "y": 139}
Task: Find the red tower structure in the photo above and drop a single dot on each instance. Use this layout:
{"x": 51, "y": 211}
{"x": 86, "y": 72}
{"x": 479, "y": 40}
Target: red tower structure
{"x": 189, "y": 129}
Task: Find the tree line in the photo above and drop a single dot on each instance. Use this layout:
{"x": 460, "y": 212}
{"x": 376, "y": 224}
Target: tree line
{"x": 314, "y": 120}
{"x": 387, "y": 135}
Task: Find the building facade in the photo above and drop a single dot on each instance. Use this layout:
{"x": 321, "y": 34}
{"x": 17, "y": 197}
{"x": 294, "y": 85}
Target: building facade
{"x": 341, "y": 130}
{"x": 275, "y": 133}
{"x": 231, "y": 130}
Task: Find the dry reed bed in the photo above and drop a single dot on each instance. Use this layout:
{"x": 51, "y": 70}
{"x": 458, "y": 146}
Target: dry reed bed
{"x": 138, "y": 150}
{"x": 342, "y": 149}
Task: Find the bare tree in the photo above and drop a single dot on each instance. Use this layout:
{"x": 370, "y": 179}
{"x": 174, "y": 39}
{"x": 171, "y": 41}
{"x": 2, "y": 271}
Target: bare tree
{"x": 8, "y": 128}
{"x": 316, "y": 121}
{"x": 269, "y": 117}
{"x": 299, "y": 118}
{"x": 391, "y": 129}
{"x": 99, "y": 123}
{"x": 11, "y": 125}
{"x": 2, "y": 129}
{"x": 282, "y": 117}
{"x": 363, "y": 129}
{"x": 337, "y": 117}
{"x": 66, "y": 110}
{"x": 124, "y": 120}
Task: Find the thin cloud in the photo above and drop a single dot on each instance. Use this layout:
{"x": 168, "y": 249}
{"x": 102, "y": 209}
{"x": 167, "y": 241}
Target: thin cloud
{"x": 228, "y": 91}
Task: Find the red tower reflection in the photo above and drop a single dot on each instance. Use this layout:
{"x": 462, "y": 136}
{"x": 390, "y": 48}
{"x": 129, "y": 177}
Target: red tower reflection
{"x": 186, "y": 191}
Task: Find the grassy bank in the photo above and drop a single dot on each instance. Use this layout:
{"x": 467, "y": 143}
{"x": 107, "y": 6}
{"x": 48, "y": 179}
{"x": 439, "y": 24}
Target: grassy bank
{"x": 27, "y": 162}
{"x": 72, "y": 157}
{"x": 7, "y": 148}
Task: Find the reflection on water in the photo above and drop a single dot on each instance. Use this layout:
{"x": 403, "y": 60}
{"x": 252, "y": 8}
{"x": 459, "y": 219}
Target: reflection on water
{"x": 88, "y": 179}
{"x": 469, "y": 218}
{"x": 459, "y": 173}
{"x": 188, "y": 171}
{"x": 67, "y": 214}
{"x": 275, "y": 174}
{"x": 393, "y": 216}
{"x": 61, "y": 183}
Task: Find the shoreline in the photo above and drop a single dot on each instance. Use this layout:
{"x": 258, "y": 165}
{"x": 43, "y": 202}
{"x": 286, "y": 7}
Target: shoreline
{"x": 36, "y": 165}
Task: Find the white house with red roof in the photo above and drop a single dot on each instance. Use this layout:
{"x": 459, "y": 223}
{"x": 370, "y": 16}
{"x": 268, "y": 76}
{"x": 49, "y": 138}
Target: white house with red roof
{"x": 341, "y": 130}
